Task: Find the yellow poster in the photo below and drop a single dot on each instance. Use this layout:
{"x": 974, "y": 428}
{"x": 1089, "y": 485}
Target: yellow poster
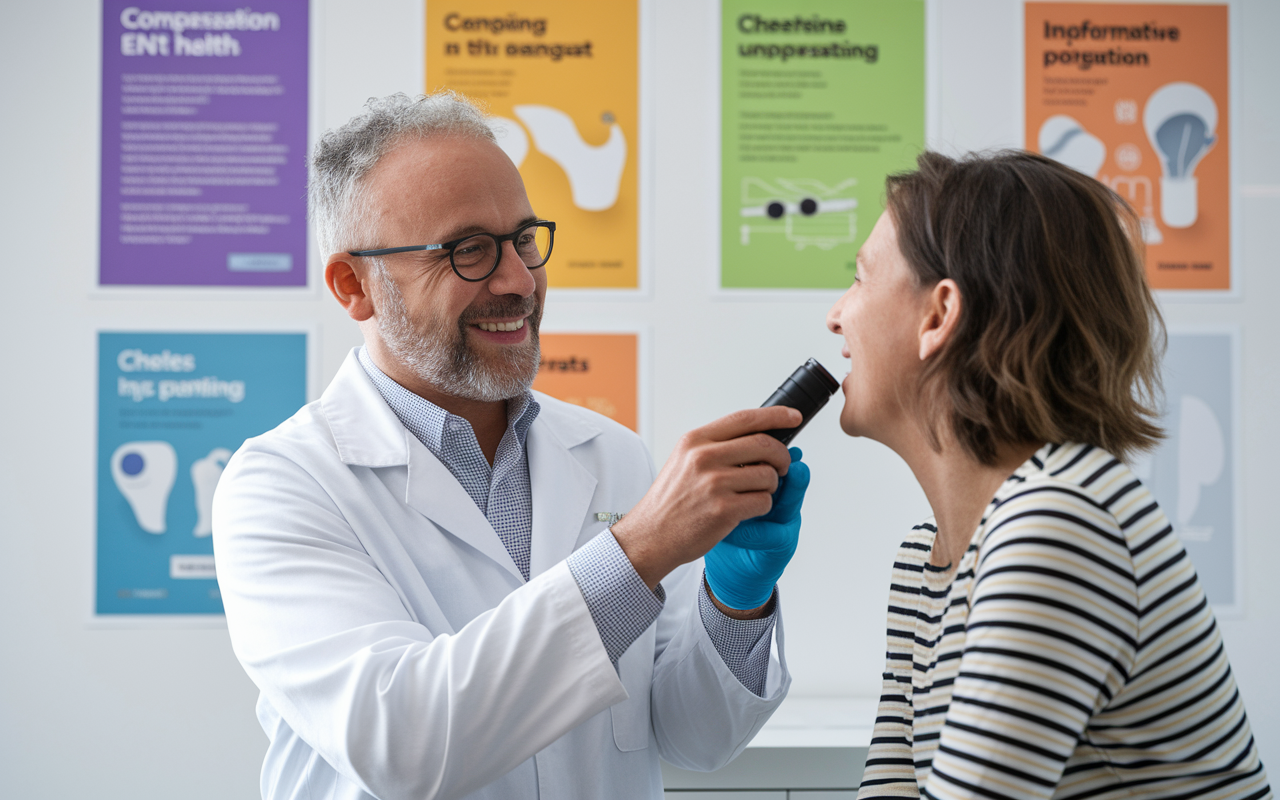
{"x": 599, "y": 371}
{"x": 1136, "y": 95}
{"x": 561, "y": 79}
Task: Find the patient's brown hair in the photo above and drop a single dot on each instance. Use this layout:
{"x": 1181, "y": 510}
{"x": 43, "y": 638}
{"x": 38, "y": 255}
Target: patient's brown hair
{"x": 1059, "y": 338}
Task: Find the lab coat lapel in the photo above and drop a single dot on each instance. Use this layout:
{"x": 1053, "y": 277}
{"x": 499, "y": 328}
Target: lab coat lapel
{"x": 433, "y": 491}
{"x": 367, "y": 433}
{"x": 365, "y": 430}
{"x": 562, "y": 487}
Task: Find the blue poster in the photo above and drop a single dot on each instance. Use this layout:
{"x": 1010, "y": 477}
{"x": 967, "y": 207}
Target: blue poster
{"x": 172, "y": 408}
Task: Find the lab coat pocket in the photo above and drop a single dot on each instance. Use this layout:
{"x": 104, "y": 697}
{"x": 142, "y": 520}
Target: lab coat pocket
{"x": 631, "y": 722}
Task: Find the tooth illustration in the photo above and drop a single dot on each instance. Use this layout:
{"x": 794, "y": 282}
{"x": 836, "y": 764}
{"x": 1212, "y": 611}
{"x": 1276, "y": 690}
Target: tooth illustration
{"x": 204, "y": 476}
{"x": 595, "y": 173}
{"x": 1201, "y": 454}
{"x": 511, "y": 138}
{"x": 144, "y": 474}
{"x": 1066, "y": 141}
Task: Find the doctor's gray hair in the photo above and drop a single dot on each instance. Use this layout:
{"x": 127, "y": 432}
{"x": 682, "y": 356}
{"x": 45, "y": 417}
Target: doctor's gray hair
{"x": 346, "y": 154}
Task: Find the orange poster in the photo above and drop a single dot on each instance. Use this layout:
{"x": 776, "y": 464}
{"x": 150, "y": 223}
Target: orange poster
{"x": 1136, "y": 95}
{"x": 561, "y": 79}
{"x": 599, "y": 371}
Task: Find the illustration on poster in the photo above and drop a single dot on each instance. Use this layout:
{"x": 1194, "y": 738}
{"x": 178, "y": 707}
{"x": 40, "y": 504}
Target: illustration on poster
{"x": 145, "y": 472}
{"x": 594, "y": 172}
{"x": 812, "y": 213}
{"x": 1201, "y": 460}
{"x": 205, "y": 473}
{"x": 1201, "y": 457}
{"x": 1066, "y": 141}
{"x": 1180, "y": 119}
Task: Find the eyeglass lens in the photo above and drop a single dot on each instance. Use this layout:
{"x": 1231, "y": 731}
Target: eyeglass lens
{"x": 477, "y": 256}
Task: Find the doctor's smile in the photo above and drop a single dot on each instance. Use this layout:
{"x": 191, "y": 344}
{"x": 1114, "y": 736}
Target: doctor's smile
{"x": 504, "y": 331}
{"x": 501, "y": 326}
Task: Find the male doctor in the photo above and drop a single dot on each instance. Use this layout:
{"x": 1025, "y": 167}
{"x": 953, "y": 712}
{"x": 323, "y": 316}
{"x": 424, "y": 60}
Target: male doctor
{"x": 424, "y": 572}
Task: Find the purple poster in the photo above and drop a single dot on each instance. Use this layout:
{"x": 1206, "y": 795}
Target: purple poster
{"x": 204, "y": 138}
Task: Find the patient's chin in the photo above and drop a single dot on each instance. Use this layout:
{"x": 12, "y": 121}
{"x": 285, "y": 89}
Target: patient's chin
{"x": 850, "y": 422}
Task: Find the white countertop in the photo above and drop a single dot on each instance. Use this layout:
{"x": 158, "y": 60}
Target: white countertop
{"x": 820, "y": 722}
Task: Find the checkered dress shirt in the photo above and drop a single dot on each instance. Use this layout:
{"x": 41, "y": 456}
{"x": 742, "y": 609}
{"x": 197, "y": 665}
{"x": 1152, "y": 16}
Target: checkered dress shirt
{"x": 621, "y": 605}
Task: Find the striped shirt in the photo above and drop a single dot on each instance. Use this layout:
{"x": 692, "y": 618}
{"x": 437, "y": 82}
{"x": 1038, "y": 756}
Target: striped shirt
{"x": 1071, "y": 653}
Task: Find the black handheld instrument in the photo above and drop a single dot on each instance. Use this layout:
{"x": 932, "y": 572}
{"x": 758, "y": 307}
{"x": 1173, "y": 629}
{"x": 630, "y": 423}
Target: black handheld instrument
{"x": 807, "y": 391}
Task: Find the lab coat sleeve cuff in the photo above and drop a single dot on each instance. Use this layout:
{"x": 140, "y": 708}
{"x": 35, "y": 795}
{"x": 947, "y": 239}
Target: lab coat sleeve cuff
{"x": 743, "y": 644}
{"x": 621, "y": 605}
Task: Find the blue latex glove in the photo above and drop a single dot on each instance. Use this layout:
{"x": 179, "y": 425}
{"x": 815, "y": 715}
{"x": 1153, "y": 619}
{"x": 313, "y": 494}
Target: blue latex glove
{"x": 743, "y": 568}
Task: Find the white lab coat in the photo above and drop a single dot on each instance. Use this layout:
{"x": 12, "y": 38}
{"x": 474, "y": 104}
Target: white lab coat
{"x": 400, "y": 654}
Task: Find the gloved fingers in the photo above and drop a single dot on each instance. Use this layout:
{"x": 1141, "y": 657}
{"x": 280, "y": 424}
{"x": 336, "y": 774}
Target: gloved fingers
{"x": 761, "y": 535}
{"x": 790, "y": 495}
{"x": 753, "y": 535}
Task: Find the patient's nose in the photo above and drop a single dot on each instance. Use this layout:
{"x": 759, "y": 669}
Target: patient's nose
{"x": 833, "y": 316}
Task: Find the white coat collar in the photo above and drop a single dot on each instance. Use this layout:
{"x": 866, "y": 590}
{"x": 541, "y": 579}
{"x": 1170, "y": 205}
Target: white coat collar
{"x": 365, "y": 429}
{"x": 367, "y": 433}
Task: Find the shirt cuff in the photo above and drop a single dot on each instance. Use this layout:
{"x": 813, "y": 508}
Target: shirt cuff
{"x": 621, "y": 605}
{"x": 743, "y": 644}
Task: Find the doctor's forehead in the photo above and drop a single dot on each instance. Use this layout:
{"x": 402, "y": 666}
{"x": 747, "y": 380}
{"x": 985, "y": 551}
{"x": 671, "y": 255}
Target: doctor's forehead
{"x": 454, "y": 180}
{"x": 413, "y": 162}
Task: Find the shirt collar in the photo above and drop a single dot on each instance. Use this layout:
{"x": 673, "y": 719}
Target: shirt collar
{"x": 428, "y": 421}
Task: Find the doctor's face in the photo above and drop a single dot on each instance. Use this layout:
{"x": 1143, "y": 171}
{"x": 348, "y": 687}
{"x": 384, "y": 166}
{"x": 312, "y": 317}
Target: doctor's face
{"x": 475, "y": 340}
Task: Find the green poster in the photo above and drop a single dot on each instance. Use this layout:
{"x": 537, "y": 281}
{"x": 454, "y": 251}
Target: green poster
{"x": 820, "y": 100}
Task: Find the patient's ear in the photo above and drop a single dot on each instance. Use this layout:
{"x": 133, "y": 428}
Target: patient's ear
{"x": 941, "y": 318}
{"x": 349, "y": 286}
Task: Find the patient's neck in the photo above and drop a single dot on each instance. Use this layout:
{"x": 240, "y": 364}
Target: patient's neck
{"x": 959, "y": 487}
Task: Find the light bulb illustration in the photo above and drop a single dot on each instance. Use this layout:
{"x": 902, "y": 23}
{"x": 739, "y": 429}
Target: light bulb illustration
{"x": 144, "y": 474}
{"x": 1065, "y": 140}
{"x": 1180, "y": 119}
{"x": 595, "y": 173}
{"x": 511, "y": 138}
{"x": 1201, "y": 455}
{"x": 204, "y": 476}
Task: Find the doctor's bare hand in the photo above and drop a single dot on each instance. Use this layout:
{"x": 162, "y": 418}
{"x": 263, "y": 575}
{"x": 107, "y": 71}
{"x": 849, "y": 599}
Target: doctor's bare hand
{"x": 717, "y": 476}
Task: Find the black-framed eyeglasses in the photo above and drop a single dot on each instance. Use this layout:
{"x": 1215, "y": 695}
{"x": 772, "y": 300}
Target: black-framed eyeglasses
{"x": 475, "y": 257}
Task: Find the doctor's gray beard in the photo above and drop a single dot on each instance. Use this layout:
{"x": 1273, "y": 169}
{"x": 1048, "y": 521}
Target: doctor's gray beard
{"x": 441, "y": 356}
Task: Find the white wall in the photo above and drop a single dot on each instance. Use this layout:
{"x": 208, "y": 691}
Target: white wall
{"x": 164, "y": 712}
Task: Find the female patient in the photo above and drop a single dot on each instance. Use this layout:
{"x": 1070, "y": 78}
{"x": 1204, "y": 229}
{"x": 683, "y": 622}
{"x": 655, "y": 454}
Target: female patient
{"x": 1048, "y": 636}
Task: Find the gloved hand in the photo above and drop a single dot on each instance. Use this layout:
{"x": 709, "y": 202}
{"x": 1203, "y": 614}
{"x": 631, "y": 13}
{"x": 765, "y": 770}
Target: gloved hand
{"x": 743, "y": 568}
